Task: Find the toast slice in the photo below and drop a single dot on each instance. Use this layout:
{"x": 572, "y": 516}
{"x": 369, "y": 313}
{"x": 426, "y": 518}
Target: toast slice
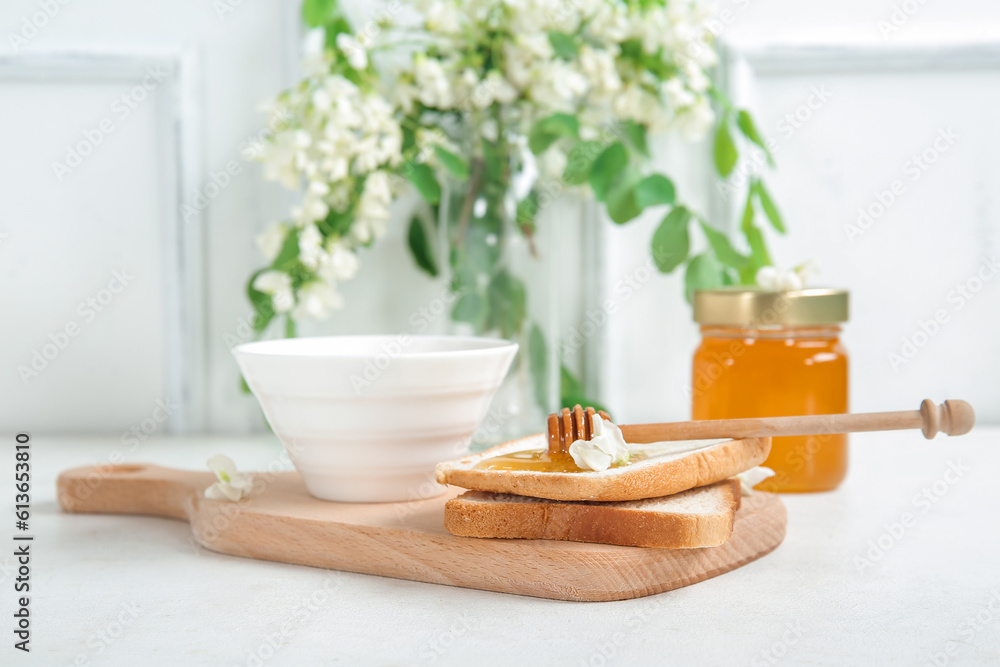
{"x": 701, "y": 517}
{"x": 670, "y": 467}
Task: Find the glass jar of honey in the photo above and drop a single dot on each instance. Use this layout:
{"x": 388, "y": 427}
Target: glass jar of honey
{"x": 770, "y": 354}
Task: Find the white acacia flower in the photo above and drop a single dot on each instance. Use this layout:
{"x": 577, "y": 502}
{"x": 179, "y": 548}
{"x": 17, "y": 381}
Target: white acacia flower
{"x": 678, "y": 93}
{"x": 634, "y": 103}
{"x": 270, "y": 282}
{"x": 558, "y": 86}
{"x": 278, "y": 285}
{"x": 280, "y": 157}
{"x": 316, "y": 300}
{"x": 269, "y": 243}
{"x": 339, "y": 262}
{"x": 694, "y": 121}
{"x": 283, "y": 301}
{"x": 443, "y": 17}
{"x": 432, "y": 83}
{"x": 499, "y": 88}
{"x": 599, "y": 67}
{"x": 779, "y": 280}
{"x": 368, "y": 155}
{"x": 232, "y": 485}
{"x": 355, "y": 52}
{"x": 315, "y": 62}
{"x": 651, "y": 28}
{"x": 697, "y": 80}
{"x": 553, "y": 162}
{"x": 524, "y": 55}
{"x": 610, "y": 23}
{"x": 310, "y": 246}
{"x": 378, "y": 187}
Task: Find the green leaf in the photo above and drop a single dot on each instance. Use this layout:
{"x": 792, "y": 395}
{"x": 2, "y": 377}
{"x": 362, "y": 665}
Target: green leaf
{"x": 725, "y": 149}
{"x": 580, "y": 161}
{"x": 546, "y": 131}
{"x": 654, "y": 190}
{"x": 702, "y": 272}
{"x": 538, "y": 364}
{"x": 409, "y": 136}
{"x": 507, "y": 300}
{"x": 422, "y": 177}
{"x": 289, "y": 253}
{"x": 636, "y": 133}
{"x": 421, "y": 247}
{"x": 336, "y": 222}
{"x": 318, "y": 12}
{"x": 333, "y": 27}
{"x": 606, "y": 169}
{"x": 244, "y": 387}
{"x": 746, "y": 222}
{"x": 758, "y": 249}
{"x": 621, "y": 199}
{"x": 745, "y": 122}
{"x": 471, "y": 308}
{"x": 723, "y": 249}
{"x": 766, "y": 203}
{"x": 264, "y": 309}
{"x": 455, "y": 165}
{"x": 571, "y": 391}
{"x": 563, "y": 44}
{"x": 671, "y": 242}
{"x": 527, "y": 209}
{"x": 290, "y": 331}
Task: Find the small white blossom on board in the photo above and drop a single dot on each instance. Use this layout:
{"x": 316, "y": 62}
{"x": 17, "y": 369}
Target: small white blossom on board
{"x": 232, "y": 484}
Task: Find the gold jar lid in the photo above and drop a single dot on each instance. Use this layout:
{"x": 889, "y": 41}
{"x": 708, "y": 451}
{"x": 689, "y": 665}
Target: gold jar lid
{"x": 751, "y": 307}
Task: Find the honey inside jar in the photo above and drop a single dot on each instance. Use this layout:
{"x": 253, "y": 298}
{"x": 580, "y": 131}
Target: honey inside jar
{"x": 794, "y": 366}
{"x": 539, "y": 460}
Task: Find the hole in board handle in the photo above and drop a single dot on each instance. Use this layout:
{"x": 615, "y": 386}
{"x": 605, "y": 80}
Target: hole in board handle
{"x": 125, "y": 468}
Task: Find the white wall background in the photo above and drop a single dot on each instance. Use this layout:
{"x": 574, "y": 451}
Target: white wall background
{"x": 165, "y": 337}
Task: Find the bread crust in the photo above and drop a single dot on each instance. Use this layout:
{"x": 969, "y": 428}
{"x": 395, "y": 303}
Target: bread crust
{"x": 480, "y": 514}
{"x": 650, "y": 478}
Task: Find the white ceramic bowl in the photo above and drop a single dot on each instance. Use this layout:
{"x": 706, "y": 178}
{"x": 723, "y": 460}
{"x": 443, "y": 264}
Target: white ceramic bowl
{"x": 366, "y": 418}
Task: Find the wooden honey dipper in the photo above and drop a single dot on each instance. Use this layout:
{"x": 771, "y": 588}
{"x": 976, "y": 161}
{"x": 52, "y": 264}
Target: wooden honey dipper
{"x": 952, "y": 417}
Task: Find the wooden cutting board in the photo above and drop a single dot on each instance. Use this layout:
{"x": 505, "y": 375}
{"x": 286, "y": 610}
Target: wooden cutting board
{"x": 280, "y": 521}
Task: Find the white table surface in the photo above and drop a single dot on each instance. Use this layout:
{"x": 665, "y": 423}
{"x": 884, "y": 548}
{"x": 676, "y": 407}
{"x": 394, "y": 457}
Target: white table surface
{"x": 119, "y": 590}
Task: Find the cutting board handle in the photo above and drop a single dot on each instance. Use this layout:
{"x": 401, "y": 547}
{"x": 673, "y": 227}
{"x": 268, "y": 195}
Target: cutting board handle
{"x": 131, "y": 488}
